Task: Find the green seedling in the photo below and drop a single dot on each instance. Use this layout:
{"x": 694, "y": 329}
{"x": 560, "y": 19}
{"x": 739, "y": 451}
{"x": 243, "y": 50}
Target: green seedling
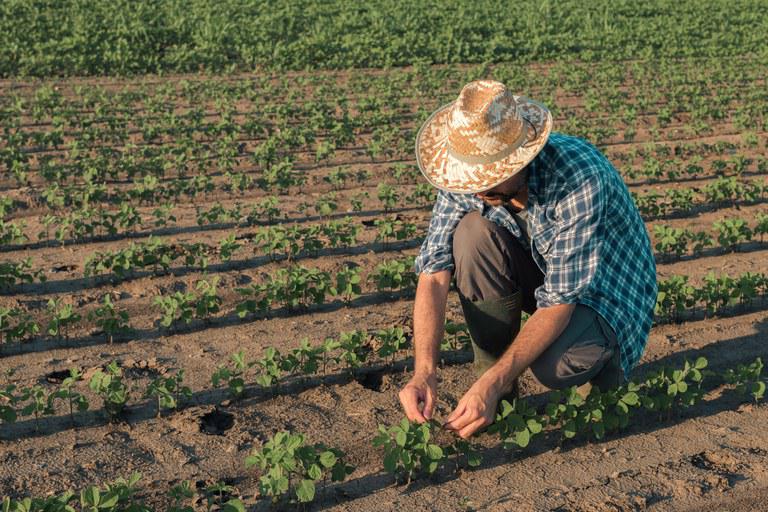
{"x": 175, "y": 309}
{"x": 74, "y": 399}
{"x": 388, "y": 196}
{"x": 516, "y": 423}
{"x": 329, "y": 347}
{"x": 16, "y": 325}
{"x": 746, "y": 379}
{"x": 168, "y": 391}
{"x": 40, "y": 403}
{"x": 208, "y": 302}
{"x": 111, "y": 320}
{"x": 348, "y": 283}
{"x": 8, "y": 401}
{"x": 110, "y": 387}
{"x": 271, "y": 365}
{"x": 391, "y": 341}
{"x": 62, "y": 317}
{"x": 354, "y": 349}
{"x": 408, "y": 450}
{"x": 233, "y": 375}
{"x": 288, "y": 466}
{"x": 457, "y": 336}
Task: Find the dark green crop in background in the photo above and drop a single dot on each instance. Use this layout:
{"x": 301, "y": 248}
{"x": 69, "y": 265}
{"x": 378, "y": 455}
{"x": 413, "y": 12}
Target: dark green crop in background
{"x": 98, "y": 37}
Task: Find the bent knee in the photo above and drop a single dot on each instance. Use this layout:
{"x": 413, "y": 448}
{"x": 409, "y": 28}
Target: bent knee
{"x": 473, "y": 235}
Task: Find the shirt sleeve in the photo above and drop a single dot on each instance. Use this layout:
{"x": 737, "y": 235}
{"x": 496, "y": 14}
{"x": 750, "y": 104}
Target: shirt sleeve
{"x": 573, "y": 256}
{"x": 436, "y": 252}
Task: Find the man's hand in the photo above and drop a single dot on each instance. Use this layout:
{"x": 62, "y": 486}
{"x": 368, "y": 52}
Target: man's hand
{"x": 476, "y": 409}
{"x": 421, "y": 389}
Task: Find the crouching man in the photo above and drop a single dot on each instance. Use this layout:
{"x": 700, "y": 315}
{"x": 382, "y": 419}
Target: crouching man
{"x": 525, "y": 220}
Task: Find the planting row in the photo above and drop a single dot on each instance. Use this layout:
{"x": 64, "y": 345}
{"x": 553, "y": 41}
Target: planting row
{"x": 349, "y": 351}
{"x": 290, "y": 468}
{"x": 296, "y": 288}
{"x": 89, "y": 223}
{"x": 730, "y": 233}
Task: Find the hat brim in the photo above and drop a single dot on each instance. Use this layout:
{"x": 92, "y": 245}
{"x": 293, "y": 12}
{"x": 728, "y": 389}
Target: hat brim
{"x": 452, "y": 175}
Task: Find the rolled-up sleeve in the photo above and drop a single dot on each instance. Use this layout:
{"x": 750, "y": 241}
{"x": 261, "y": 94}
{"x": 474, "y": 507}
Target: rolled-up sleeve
{"x": 574, "y": 254}
{"x": 436, "y": 252}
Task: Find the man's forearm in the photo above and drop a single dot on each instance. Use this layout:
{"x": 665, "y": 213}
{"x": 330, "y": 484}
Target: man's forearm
{"x": 538, "y": 333}
{"x": 429, "y": 319}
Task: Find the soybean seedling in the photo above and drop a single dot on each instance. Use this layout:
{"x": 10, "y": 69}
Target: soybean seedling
{"x": 408, "y": 450}
{"x": 290, "y": 467}
{"x": 746, "y": 379}
{"x": 391, "y": 341}
{"x": 233, "y": 375}
{"x": 110, "y": 387}
{"x": 73, "y": 398}
{"x": 168, "y": 391}
{"x": 109, "y": 319}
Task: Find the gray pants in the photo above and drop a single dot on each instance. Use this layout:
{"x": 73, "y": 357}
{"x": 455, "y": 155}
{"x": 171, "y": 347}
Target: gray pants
{"x": 496, "y": 277}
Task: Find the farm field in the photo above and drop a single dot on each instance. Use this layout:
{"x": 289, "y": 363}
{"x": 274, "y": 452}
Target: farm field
{"x": 222, "y": 258}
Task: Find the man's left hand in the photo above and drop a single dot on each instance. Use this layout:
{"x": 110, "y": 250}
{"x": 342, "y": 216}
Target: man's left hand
{"x": 476, "y": 409}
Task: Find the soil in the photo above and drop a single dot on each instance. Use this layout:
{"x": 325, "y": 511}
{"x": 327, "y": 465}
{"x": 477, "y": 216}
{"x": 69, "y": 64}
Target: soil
{"x": 714, "y": 455}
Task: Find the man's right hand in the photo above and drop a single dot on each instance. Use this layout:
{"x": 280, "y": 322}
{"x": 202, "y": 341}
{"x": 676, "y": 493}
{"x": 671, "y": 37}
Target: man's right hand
{"x": 419, "y": 396}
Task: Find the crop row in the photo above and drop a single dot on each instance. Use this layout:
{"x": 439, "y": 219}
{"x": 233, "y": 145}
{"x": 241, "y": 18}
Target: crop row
{"x": 350, "y": 350}
{"x": 90, "y": 223}
{"x": 722, "y": 192}
{"x": 295, "y": 288}
{"x": 730, "y": 233}
{"x": 290, "y": 468}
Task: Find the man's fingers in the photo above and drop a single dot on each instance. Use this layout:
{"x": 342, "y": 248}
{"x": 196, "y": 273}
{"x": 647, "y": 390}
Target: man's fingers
{"x": 458, "y": 411}
{"x": 429, "y": 403}
{"x": 462, "y": 421}
{"x": 409, "y": 398}
{"x": 473, "y": 427}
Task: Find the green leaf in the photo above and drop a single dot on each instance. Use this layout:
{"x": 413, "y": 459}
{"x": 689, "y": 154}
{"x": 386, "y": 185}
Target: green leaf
{"x": 534, "y": 426}
{"x": 390, "y": 461}
{"x": 434, "y": 452}
{"x": 328, "y": 459}
{"x": 700, "y": 363}
{"x": 401, "y": 438}
{"x": 522, "y": 438}
{"x": 314, "y": 472}
{"x": 630, "y": 398}
{"x": 305, "y": 491}
{"x": 233, "y": 505}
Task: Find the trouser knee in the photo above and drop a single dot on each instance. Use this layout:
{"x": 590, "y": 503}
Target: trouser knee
{"x": 481, "y": 265}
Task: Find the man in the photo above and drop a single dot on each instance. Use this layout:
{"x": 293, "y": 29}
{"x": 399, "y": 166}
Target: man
{"x": 530, "y": 220}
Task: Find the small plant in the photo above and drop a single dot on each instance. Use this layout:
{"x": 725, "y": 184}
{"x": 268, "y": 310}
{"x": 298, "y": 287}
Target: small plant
{"x": 348, "y": 283}
{"x": 233, "y": 375}
{"x": 175, "y": 309}
{"x": 168, "y": 391}
{"x": 746, "y": 379}
{"x": 291, "y": 467}
{"x": 271, "y": 365}
{"x": 109, "y": 319}
{"x": 110, "y": 387}
{"x": 391, "y": 341}
{"x": 394, "y": 274}
{"x": 62, "y": 316}
{"x": 72, "y": 397}
{"x": 408, "y": 450}
{"x": 388, "y": 196}
{"x": 354, "y": 350}
{"x": 516, "y": 423}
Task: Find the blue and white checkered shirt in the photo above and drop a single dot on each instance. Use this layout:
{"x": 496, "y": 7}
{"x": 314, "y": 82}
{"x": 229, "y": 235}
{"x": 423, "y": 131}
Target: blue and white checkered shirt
{"x": 586, "y": 234}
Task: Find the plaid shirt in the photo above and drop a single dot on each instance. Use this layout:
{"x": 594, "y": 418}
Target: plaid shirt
{"x": 586, "y": 236}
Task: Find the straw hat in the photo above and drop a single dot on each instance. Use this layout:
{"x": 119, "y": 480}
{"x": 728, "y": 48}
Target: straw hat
{"x": 482, "y": 139}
